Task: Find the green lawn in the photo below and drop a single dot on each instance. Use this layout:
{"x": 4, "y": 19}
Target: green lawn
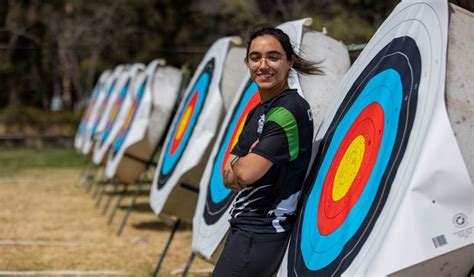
{"x": 13, "y": 159}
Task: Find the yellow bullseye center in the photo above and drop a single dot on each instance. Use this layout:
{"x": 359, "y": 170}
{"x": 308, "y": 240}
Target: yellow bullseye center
{"x": 184, "y": 122}
{"x": 348, "y": 168}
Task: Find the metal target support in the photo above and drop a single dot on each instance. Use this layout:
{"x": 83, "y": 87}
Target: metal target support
{"x": 98, "y": 185}
{"x": 141, "y": 181}
{"x": 117, "y": 205}
{"x": 167, "y": 246}
{"x": 87, "y": 174}
{"x": 188, "y": 264}
{"x": 109, "y": 198}
{"x": 102, "y": 185}
{"x": 91, "y": 179}
{"x": 131, "y": 206}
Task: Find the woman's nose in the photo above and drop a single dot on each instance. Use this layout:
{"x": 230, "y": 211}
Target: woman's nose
{"x": 263, "y": 62}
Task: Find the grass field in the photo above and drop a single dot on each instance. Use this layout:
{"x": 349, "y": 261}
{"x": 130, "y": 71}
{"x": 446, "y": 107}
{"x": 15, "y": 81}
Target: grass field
{"x": 49, "y": 223}
{"x": 15, "y": 159}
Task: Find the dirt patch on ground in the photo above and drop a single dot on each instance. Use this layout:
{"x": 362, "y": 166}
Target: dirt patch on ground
{"x": 49, "y": 222}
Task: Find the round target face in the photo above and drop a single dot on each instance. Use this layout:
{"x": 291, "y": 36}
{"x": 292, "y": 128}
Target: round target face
{"x": 90, "y": 109}
{"x": 113, "y": 113}
{"x": 122, "y": 135}
{"x": 102, "y": 109}
{"x": 219, "y": 197}
{"x": 183, "y": 127}
{"x": 358, "y": 159}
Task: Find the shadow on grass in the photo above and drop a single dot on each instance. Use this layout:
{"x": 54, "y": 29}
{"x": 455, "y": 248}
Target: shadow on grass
{"x": 138, "y": 208}
{"x": 160, "y": 226}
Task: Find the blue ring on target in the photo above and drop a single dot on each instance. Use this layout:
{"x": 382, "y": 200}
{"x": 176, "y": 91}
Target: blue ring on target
{"x": 92, "y": 103}
{"x": 119, "y": 103}
{"x": 386, "y": 89}
{"x": 201, "y": 88}
{"x": 390, "y": 80}
{"x": 218, "y": 191}
{"x": 219, "y": 197}
{"x": 102, "y": 107}
{"x": 123, "y": 135}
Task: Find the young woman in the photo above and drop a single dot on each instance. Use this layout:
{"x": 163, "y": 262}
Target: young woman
{"x": 268, "y": 164}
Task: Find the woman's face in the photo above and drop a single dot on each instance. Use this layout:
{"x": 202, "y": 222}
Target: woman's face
{"x": 268, "y": 64}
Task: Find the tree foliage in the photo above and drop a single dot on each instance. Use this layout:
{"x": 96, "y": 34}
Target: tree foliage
{"x": 59, "y": 47}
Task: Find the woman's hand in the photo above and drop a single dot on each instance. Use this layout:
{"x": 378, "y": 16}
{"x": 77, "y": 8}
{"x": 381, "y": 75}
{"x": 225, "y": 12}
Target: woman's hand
{"x": 229, "y": 177}
{"x": 230, "y": 181}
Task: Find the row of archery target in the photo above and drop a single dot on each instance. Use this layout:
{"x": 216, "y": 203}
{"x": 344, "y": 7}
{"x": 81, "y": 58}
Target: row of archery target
{"x": 126, "y": 116}
{"x": 372, "y": 180}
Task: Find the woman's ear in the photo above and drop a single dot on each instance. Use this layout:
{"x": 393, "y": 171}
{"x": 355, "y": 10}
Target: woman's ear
{"x": 292, "y": 61}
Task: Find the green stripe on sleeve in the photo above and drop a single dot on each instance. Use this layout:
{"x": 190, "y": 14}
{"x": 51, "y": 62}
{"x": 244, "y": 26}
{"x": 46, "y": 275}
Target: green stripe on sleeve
{"x": 286, "y": 120}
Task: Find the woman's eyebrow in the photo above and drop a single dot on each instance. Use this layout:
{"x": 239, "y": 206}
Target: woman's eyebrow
{"x": 272, "y": 52}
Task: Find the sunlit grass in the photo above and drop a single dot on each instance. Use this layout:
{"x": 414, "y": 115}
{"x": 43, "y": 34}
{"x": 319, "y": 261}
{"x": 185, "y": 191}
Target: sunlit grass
{"x": 13, "y": 159}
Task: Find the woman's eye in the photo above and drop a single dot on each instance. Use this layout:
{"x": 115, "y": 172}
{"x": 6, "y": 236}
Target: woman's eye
{"x": 255, "y": 59}
{"x": 274, "y": 58}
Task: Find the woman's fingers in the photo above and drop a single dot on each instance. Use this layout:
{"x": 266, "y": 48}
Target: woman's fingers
{"x": 229, "y": 181}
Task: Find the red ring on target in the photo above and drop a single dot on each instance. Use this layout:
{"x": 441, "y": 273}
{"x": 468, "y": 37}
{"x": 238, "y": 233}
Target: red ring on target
{"x": 184, "y": 123}
{"x": 254, "y": 100}
{"x": 351, "y": 168}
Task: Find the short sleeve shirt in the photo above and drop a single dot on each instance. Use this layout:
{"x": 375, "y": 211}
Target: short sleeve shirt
{"x": 284, "y": 129}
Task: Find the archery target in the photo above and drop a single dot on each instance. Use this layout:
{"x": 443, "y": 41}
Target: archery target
{"x": 210, "y": 219}
{"x": 95, "y": 127}
{"x": 103, "y": 100}
{"x": 359, "y": 157}
{"x": 144, "y": 122}
{"x": 366, "y": 143}
{"x": 219, "y": 197}
{"x": 446, "y": 172}
{"x": 131, "y": 113}
{"x": 119, "y": 104}
{"x": 194, "y": 127}
{"x": 113, "y": 113}
{"x": 92, "y": 105}
{"x": 186, "y": 121}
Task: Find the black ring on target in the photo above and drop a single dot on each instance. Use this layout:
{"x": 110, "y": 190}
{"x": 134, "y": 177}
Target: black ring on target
{"x": 320, "y": 254}
{"x": 187, "y": 118}
{"x": 131, "y": 113}
{"x": 219, "y": 198}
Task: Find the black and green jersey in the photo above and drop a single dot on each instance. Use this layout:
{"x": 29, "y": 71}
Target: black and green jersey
{"x": 283, "y": 125}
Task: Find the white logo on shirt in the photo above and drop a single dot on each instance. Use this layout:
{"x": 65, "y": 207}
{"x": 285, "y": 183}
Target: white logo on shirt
{"x": 310, "y": 114}
{"x": 261, "y": 121}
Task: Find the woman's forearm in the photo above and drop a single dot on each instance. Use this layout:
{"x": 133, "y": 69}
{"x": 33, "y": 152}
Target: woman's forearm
{"x": 250, "y": 168}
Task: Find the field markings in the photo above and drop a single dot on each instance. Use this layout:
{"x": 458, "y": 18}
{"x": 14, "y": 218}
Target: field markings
{"x": 43, "y": 243}
{"x": 63, "y": 272}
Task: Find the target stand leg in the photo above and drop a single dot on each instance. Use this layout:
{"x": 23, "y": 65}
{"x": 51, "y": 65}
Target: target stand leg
{"x": 98, "y": 185}
{"x": 95, "y": 190}
{"x": 85, "y": 176}
{"x": 117, "y": 205}
{"x": 167, "y": 246}
{"x": 188, "y": 265}
{"x": 102, "y": 189}
{"x": 109, "y": 199}
{"x": 130, "y": 207}
{"x": 90, "y": 182}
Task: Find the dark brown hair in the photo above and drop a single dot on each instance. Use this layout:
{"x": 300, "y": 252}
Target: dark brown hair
{"x": 301, "y": 65}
